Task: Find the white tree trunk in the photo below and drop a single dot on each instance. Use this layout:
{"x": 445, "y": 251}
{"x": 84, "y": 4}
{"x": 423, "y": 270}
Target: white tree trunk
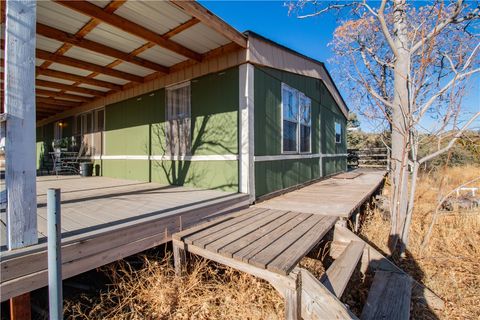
{"x": 400, "y": 124}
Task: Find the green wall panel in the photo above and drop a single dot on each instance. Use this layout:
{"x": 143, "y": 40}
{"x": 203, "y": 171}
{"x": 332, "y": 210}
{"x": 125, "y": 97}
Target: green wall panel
{"x": 275, "y": 175}
{"x": 215, "y": 113}
{"x": 202, "y": 174}
{"x": 137, "y": 127}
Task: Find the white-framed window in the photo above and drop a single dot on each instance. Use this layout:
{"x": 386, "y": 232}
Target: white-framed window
{"x": 89, "y": 132}
{"x": 58, "y": 130}
{"x": 338, "y": 132}
{"x": 296, "y": 121}
{"x": 178, "y": 109}
{"x": 305, "y": 124}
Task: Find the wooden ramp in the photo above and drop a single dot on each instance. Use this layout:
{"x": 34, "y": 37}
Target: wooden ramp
{"x": 268, "y": 244}
{"x": 338, "y": 196}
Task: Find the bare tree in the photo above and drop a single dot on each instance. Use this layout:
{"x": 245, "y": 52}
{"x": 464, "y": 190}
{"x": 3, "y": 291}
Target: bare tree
{"x": 412, "y": 64}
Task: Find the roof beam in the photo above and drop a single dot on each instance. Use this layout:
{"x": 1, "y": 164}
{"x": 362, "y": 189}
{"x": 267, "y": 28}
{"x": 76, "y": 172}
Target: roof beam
{"x": 208, "y": 18}
{"x": 58, "y": 102}
{"x": 84, "y": 65}
{"x": 67, "y": 87}
{"x": 60, "y": 94}
{"x": 74, "y": 77}
{"x": 89, "y": 26}
{"x": 63, "y": 36}
{"x": 50, "y": 108}
{"x": 184, "y": 26}
{"x": 133, "y": 28}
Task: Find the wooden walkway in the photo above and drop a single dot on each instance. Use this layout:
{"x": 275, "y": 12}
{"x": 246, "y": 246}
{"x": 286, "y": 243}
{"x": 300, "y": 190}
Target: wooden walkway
{"x": 104, "y": 220}
{"x": 268, "y": 240}
{"x": 338, "y": 196}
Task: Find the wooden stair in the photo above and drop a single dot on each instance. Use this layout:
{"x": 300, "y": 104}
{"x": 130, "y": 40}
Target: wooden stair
{"x": 389, "y": 297}
{"x": 338, "y": 274}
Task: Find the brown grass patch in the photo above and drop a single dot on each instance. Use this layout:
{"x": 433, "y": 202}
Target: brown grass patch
{"x": 153, "y": 291}
{"x": 450, "y": 264}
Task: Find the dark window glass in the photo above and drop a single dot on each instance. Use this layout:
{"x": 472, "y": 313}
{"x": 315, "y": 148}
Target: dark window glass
{"x": 289, "y": 136}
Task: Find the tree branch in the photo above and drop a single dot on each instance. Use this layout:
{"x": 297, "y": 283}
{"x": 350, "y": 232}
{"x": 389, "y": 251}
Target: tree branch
{"x": 452, "y": 142}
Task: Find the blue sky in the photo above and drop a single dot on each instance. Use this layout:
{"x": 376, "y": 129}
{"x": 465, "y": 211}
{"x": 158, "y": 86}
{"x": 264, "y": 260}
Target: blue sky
{"x": 308, "y": 36}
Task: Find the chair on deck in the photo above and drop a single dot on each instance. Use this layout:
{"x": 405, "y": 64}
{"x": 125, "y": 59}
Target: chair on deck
{"x": 68, "y": 162}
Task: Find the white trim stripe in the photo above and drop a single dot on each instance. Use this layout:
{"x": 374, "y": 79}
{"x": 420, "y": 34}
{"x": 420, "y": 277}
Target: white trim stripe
{"x": 298, "y": 156}
{"x": 225, "y": 157}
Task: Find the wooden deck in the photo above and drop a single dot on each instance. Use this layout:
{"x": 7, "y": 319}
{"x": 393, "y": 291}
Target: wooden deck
{"x": 338, "y": 196}
{"x": 268, "y": 240}
{"x": 105, "y": 219}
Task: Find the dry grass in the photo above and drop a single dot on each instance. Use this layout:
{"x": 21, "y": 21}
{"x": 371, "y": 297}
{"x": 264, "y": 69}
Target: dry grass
{"x": 153, "y": 292}
{"x": 450, "y": 264}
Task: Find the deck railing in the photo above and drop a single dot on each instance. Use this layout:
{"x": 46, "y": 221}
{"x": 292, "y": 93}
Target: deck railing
{"x": 369, "y": 158}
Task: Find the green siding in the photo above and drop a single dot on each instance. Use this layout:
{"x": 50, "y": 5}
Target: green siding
{"x": 137, "y": 127}
{"x": 221, "y": 175}
{"x": 280, "y": 174}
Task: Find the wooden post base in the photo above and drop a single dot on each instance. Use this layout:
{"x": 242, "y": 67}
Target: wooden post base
{"x": 179, "y": 257}
{"x": 20, "y": 308}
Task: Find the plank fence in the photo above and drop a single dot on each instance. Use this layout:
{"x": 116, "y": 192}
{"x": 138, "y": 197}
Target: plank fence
{"x": 369, "y": 158}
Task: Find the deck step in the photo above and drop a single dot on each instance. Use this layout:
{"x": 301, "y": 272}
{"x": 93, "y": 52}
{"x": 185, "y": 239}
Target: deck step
{"x": 389, "y": 297}
{"x": 337, "y": 276}
{"x": 318, "y": 303}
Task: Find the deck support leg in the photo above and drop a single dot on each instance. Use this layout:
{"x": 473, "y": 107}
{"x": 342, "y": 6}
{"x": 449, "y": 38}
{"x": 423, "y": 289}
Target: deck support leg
{"x": 293, "y": 298}
{"x": 357, "y": 220}
{"x": 20, "y": 308}
{"x": 179, "y": 257}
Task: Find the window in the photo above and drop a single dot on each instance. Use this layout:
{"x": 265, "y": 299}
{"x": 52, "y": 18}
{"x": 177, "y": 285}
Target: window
{"x": 296, "y": 121}
{"x": 338, "y": 132}
{"x": 89, "y": 129}
{"x": 57, "y": 130}
{"x": 290, "y": 119}
{"x": 178, "y": 119}
{"x": 305, "y": 123}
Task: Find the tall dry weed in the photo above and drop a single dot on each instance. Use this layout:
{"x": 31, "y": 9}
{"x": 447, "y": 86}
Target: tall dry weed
{"x": 450, "y": 263}
{"x": 153, "y": 291}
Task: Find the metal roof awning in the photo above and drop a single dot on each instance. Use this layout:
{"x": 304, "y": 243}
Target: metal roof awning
{"x": 89, "y": 49}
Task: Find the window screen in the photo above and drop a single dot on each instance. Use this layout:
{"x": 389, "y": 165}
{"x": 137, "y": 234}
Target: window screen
{"x": 290, "y": 119}
{"x": 338, "y": 132}
{"x": 305, "y": 123}
{"x": 178, "y": 120}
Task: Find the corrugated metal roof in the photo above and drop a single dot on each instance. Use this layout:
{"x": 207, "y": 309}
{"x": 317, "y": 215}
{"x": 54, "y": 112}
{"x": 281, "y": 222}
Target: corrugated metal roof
{"x": 159, "y": 16}
{"x": 133, "y": 68}
{"x": 48, "y": 44}
{"x": 59, "y": 17}
{"x": 42, "y": 77}
{"x": 115, "y": 38}
{"x": 68, "y": 69}
{"x": 162, "y": 56}
{"x": 200, "y": 38}
{"x": 111, "y": 79}
{"x": 90, "y": 56}
{"x": 89, "y": 86}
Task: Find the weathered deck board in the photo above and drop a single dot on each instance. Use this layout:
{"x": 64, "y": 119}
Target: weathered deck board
{"x": 389, "y": 297}
{"x": 243, "y": 231}
{"x": 337, "y": 275}
{"x": 253, "y": 248}
{"x": 289, "y": 257}
{"x": 331, "y": 197}
{"x": 233, "y": 247}
{"x": 106, "y": 219}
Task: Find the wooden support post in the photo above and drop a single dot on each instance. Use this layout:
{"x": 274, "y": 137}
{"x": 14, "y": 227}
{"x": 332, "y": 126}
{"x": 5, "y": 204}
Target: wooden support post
{"x": 20, "y": 144}
{"x": 20, "y": 308}
{"x": 246, "y": 128}
{"x": 293, "y": 297}
{"x": 179, "y": 257}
